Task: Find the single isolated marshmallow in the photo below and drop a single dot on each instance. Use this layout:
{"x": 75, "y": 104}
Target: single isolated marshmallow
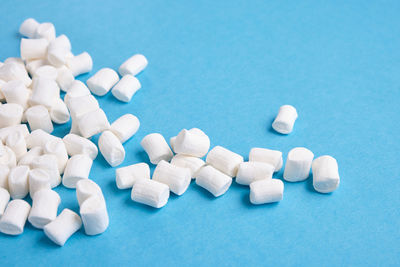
{"x": 76, "y": 89}
{"x": 85, "y": 189}
{"x": 94, "y": 215}
{"x": 76, "y": 144}
{"x": 38, "y": 179}
{"x": 80, "y": 64}
{"x": 46, "y": 30}
{"x": 213, "y": 180}
{"x": 100, "y": 83}
{"x": 125, "y": 127}
{"x": 285, "y": 119}
{"x": 4, "y": 199}
{"x": 16, "y": 92}
{"x": 33, "y": 48}
{"x": 46, "y": 71}
{"x": 4, "y": 171}
{"x": 325, "y": 174}
{"x": 4, "y": 132}
{"x": 127, "y": 176}
{"x": 78, "y": 168}
{"x": 39, "y": 138}
{"x": 298, "y": 164}
{"x": 39, "y": 118}
{"x": 151, "y": 193}
{"x": 29, "y": 156}
{"x": 28, "y": 28}
{"x": 224, "y": 160}
{"x": 192, "y": 143}
{"x": 7, "y": 156}
{"x": 64, "y": 78}
{"x": 18, "y": 183}
{"x": 93, "y": 122}
{"x": 58, "y": 50}
{"x": 16, "y": 141}
{"x": 133, "y": 65}
{"x": 44, "y": 92}
{"x": 156, "y": 148}
{"x": 57, "y": 148}
{"x": 177, "y": 178}
{"x": 14, "y": 71}
{"x": 59, "y": 112}
{"x": 249, "y": 172}
{"x": 126, "y": 88}
{"x": 33, "y": 64}
{"x": 63, "y": 227}
{"x": 49, "y": 163}
{"x": 44, "y": 207}
{"x": 13, "y": 220}
{"x": 10, "y": 114}
{"x": 273, "y": 157}
{"x": 111, "y": 148}
{"x": 192, "y": 163}
{"x": 266, "y": 191}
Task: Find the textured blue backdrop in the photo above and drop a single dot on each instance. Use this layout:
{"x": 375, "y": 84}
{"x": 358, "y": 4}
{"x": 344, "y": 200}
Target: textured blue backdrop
{"x": 226, "y": 67}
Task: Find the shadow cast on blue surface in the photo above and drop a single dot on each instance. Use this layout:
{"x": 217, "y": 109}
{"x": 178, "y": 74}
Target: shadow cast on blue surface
{"x": 142, "y": 156}
{"x": 138, "y": 206}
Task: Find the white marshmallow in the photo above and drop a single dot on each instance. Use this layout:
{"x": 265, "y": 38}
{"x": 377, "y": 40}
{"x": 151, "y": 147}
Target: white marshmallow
{"x": 44, "y": 92}
{"x": 46, "y": 30}
{"x": 58, "y": 50}
{"x": 48, "y": 163}
{"x": 79, "y": 106}
{"x": 192, "y": 143}
{"x": 33, "y": 48}
{"x": 18, "y": 183}
{"x": 151, "y": 193}
{"x": 80, "y": 64}
{"x": 59, "y": 112}
{"x": 78, "y": 168}
{"x": 249, "y": 172}
{"x": 4, "y": 199}
{"x": 266, "y": 191}
{"x": 4, "y": 171}
{"x": 38, "y": 179}
{"x": 213, "y": 180}
{"x": 64, "y": 78}
{"x": 44, "y": 207}
{"x": 16, "y": 142}
{"x": 125, "y": 127}
{"x": 285, "y": 119}
{"x": 127, "y": 176}
{"x": 29, "y": 156}
{"x": 298, "y": 164}
{"x": 76, "y": 144}
{"x": 133, "y": 65}
{"x": 111, "y": 148}
{"x": 94, "y": 215}
{"x": 14, "y": 71}
{"x": 10, "y": 114}
{"x": 156, "y": 148}
{"x": 46, "y": 71}
{"x": 76, "y": 89}
{"x": 28, "y": 28}
{"x": 100, "y": 83}
{"x": 63, "y": 227}
{"x": 192, "y": 163}
{"x": 7, "y": 156}
{"x": 93, "y": 122}
{"x": 177, "y": 178}
{"x": 57, "y": 148}
{"x": 2, "y": 83}
{"x": 126, "y": 88}
{"x": 16, "y": 60}
{"x": 273, "y": 157}
{"x": 33, "y": 64}
{"x": 325, "y": 174}
{"x": 39, "y": 118}
{"x": 85, "y": 189}
{"x": 16, "y": 92}
{"x": 13, "y": 220}
{"x": 172, "y": 142}
{"x": 224, "y": 160}
{"x": 39, "y": 138}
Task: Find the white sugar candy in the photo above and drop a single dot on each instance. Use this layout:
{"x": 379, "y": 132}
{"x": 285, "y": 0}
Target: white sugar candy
{"x": 156, "y": 148}
{"x": 38, "y": 179}
{"x": 58, "y": 50}
{"x": 127, "y": 176}
{"x": 93, "y": 122}
{"x": 16, "y": 141}
{"x": 39, "y": 118}
{"x": 39, "y": 138}
{"x": 192, "y": 163}
{"x": 44, "y": 92}
{"x": 249, "y": 172}
{"x": 33, "y": 64}
{"x": 76, "y": 144}
{"x": 57, "y": 148}
{"x": 76, "y": 89}
{"x": 298, "y": 164}
{"x": 4, "y": 199}
{"x": 192, "y": 143}
{"x": 10, "y": 114}
{"x": 18, "y": 183}
{"x": 7, "y": 156}
{"x": 213, "y": 180}
{"x": 125, "y": 127}
{"x": 16, "y": 92}
{"x": 14, "y": 71}
{"x": 85, "y": 189}
{"x": 64, "y": 78}
{"x": 4, "y": 171}
{"x": 33, "y": 48}
{"x": 80, "y": 64}
{"x": 4, "y": 132}
{"x": 325, "y": 174}
{"x": 94, "y": 215}
{"x": 133, "y": 65}
{"x": 111, "y": 148}
{"x": 126, "y": 88}
{"x": 285, "y": 119}
{"x": 224, "y": 160}
{"x": 78, "y": 168}
{"x": 46, "y": 30}
{"x": 49, "y": 163}
{"x": 266, "y": 191}
{"x": 151, "y": 193}
{"x": 13, "y": 220}
{"x": 63, "y": 227}
{"x": 44, "y": 207}
{"x": 46, "y": 71}
{"x": 59, "y": 112}
{"x": 177, "y": 178}
{"x": 100, "y": 83}
{"x": 29, "y": 156}
{"x": 273, "y": 157}
{"x": 28, "y": 28}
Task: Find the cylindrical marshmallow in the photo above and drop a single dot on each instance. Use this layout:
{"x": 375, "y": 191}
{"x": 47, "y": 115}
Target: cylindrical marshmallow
{"x": 4, "y": 171}
{"x": 177, "y": 178}
{"x": 13, "y": 220}
{"x": 156, "y": 148}
{"x": 39, "y": 138}
{"x": 76, "y": 89}
{"x": 58, "y": 50}
{"x": 127, "y": 176}
{"x": 93, "y": 122}
{"x": 64, "y": 78}
{"x": 33, "y": 64}
{"x": 126, "y": 88}
{"x": 125, "y": 127}
{"x": 4, "y": 132}
{"x": 151, "y": 193}
{"x": 78, "y": 168}
{"x": 59, "y": 112}
{"x": 63, "y": 227}
{"x": 39, "y": 118}
{"x": 46, "y": 30}
{"x": 46, "y": 71}
{"x": 16, "y": 92}
{"x": 76, "y": 144}
{"x": 14, "y": 71}
{"x": 10, "y": 114}
{"x": 44, "y": 207}
{"x": 85, "y": 189}
{"x": 172, "y": 142}
{"x": 100, "y": 83}
{"x": 44, "y": 92}
{"x": 79, "y": 106}
{"x": 80, "y": 64}
{"x": 273, "y": 157}
{"x": 94, "y": 215}
{"x": 28, "y": 28}
{"x": 133, "y": 65}
{"x": 111, "y": 148}
{"x": 249, "y": 172}
{"x": 38, "y": 179}
{"x": 49, "y": 163}
{"x": 18, "y": 182}
{"x": 224, "y": 160}
{"x": 213, "y": 180}
{"x": 285, "y": 119}
{"x": 29, "y": 156}
{"x": 266, "y": 191}
{"x": 57, "y": 148}
{"x": 298, "y": 164}
{"x": 192, "y": 163}
{"x": 7, "y": 157}
{"x": 16, "y": 142}
{"x": 4, "y": 199}
{"x": 192, "y": 142}
{"x": 33, "y": 48}
{"x": 325, "y": 174}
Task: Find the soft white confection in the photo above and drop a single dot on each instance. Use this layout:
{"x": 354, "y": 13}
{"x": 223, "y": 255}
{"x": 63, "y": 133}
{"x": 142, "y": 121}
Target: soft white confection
{"x": 2, "y": 83}
{"x": 28, "y": 28}
{"x": 273, "y": 157}
{"x": 63, "y": 227}
{"x": 14, "y": 71}
{"x": 13, "y": 220}
{"x": 266, "y": 191}
{"x": 38, "y": 179}
{"x": 4, "y": 198}
{"x": 224, "y": 160}
{"x": 298, "y": 164}
{"x": 33, "y": 64}
{"x": 76, "y": 144}
{"x": 156, "y": 148}
{"x": 59, "y": 112}
{"x": 325, "y": 174}
{"x": 249, "y": 172}
{"x": 285, "y": 119}
{"x": 177, "y": 178}
{"x": 125, "y": 127}
{"x": 213, "y": 180}
{"x": 111, "y": 148}
{"x": 39, "y": 118}
{"x": 16, "y": 141}
{"x": 151, "y": 193}
{"x": 16, "y": 60}
{"x": 10, "y": 114}
{"x": 93, "y": 122}
{"x": 192, "y": 143}
{"x": 46, "y": 30}
{"x": 49, "y": 163}
{"x": 79, "y": 106}
{"x": 133, "y": 65}
{"x": 57, "y": 148}
{"x": 29, "y": 156}
{"x": 39, "y": 138}
{"x": 33, "y": 48}
{"x": 58, "y": 50}
{"x": 192, "y": 163}
{"x": 85, "y": 189}
{"x": 44, "y": 207}
{"x": 94, "y": 215}
{"x": 100, "y": 83}
{"x": 64, "y": 78}
{"x": 44, "y": 92}
{"x": 18, "y": 183}
{"x": 46, "y": 71}
{"x": 76, "y": 89}
{"x": 78, "y": 168}
{"x": 22, "y": 128}
{"x": 80, "y": 64}
{"x": 4, "y": 171}
{"x": 16, "y": 92}
{"x": 7, "y": 156}
{"x": 126, "y": 88}
{"x": 127, "y": 176}
{"x": 172, "y": 142}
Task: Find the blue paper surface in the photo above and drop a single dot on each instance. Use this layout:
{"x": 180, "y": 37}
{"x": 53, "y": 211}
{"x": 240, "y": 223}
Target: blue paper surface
{"x": 226, "y": 67}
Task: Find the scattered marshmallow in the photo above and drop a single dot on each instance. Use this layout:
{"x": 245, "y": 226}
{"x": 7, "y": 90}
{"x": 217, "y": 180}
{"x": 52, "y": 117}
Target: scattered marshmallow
{"x": 59, "y": 112}
{"x": 7, "y": 157}
{"x": 150, "y": 192}
{"x": 266, "y": 191}
{"x": 57, "y": 148}
{"x": 33, "y": 48}
{"x": 76, "y": 89}
{"x": 156, "y": 148}
{"x": 100, "y": 83}
{"x": 4, "y": 171}
{"x": 4, "y": 132}
{"x": 29, "y": 156}
{"x": 80, "y": 64}
{"x": 58, "y": 50}
{"x": 85, "y": 189}
{"x": 16, "y": 92}
{"x": 78, "y": 168}
{"x": 39, "y": 138}
{"x": 49, "y": 163}
{"x": 111, "y": 148}
{"x": 44, "y": 207}
{"x": 14, "y": 71}
{"x": 249, "y": 172}
{"x": 126, "y": 88}
{"x": 76, "y": 144}
{"x": 94, "y": 215}
{"x": 4, "y": 199}
{"x": 298, "y": 164}
{"x": 10, "y": 114}
{"x": 16, "y": 141}
{"x": 33, "y": 64}
{"x": 18, "y": 183}
{"x": 127, "y": 176}
{"x": 46, "y": 30}
{"x": 38, "y": 179}
{"x": 63, "y": 227}
{"x": 285, "y": 119}
{"x": 65, "y": 78}
{"x": 273, "y": 157}
{"x": 44, "y": 92}
{"x": 13, "y": 220}
{"x": 177, "y": 178}
{"x": 213, "y": 180}
{"x": 39, "y": 118}
{"x": 224, "y": 160}
{"x": 192, "y": 163}
{"x": 325, "y": 174}
{"x": 133, "y": 65}
{"x": 46, "y": 71}
{"x": 28, "y": 28}
{"x": 125, "y": 127}
{"x": 93, "y": 122}
{"x": 192, "y": 143}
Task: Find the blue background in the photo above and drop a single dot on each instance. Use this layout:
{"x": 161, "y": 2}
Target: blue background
{"x": 226, "y": 67}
